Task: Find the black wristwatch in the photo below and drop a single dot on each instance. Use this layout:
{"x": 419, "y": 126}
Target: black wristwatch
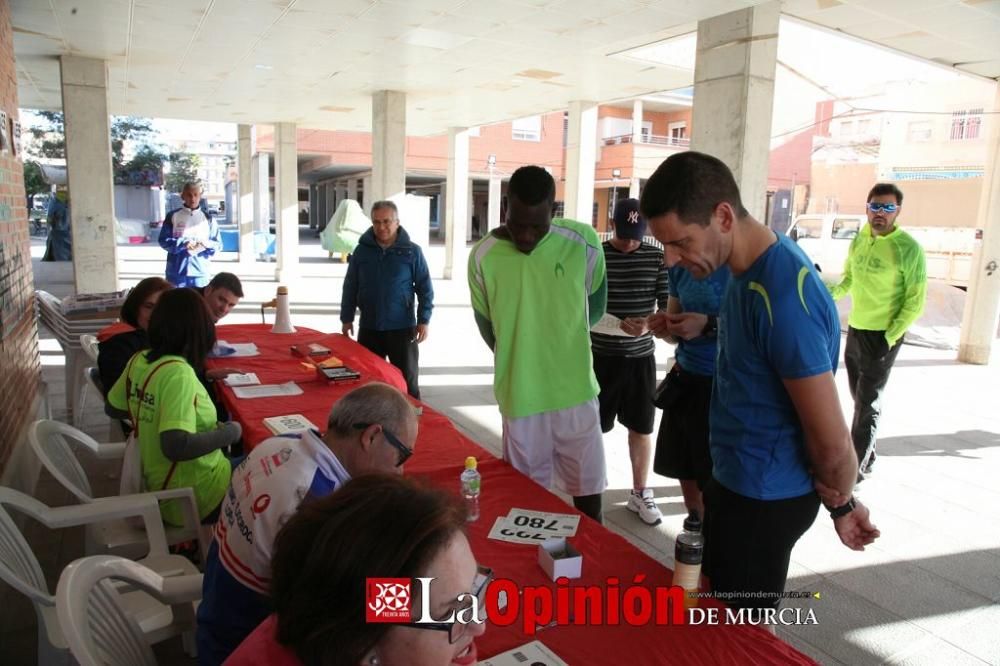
{"x": 711, "y": 327}
{"x": 843, "y": 509}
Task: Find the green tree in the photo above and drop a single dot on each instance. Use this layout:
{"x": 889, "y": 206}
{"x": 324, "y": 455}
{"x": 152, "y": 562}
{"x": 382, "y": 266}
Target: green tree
{"x": 183, "y": 169}
{"x": 50, "y": 137}
{"x": 127, "y": 128}
{"x": 33, "y": 181}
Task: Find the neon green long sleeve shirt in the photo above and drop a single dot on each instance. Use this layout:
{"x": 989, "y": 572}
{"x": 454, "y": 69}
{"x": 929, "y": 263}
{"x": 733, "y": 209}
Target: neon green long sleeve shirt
{"x": 886, "y": 277}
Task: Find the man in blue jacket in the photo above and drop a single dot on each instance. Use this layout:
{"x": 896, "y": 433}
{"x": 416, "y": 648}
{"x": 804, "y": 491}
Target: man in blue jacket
{"x": 191, "y": 237}
{"x": 385, "y": 272}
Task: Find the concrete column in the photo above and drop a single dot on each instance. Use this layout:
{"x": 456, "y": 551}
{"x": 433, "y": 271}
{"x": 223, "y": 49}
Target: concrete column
{"x": 388, "y": 146}
{"x": 493, "y": 207}
{"x": 366, "y": 199}
{"x": 261, "y": 192}
{"x": 352, "y": 188}
{"x": 88, "y": 169}
{"x": 313, "y": 205}
{"x": 637, "y": 121}
{"x": 982, "y": 303}
{"x": 633, "y": 188}
{"x": 442, "y": 208}
{"x": 581, "y": 157}
{"x": 321, "y": 213}
{"x": 245, "y": 138}
{"x": 330, "y": 194}
{"x": 734, "y": 93}
{"x": 456, "y": 219}
{"x": 286, "y": 201}
{"x": 470, "y": 211}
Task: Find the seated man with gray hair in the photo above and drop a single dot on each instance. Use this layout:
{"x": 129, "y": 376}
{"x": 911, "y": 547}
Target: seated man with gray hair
{"x": 371, "y": 429}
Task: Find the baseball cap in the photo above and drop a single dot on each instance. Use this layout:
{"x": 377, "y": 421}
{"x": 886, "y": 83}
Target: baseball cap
{"x": 629, "y": 222}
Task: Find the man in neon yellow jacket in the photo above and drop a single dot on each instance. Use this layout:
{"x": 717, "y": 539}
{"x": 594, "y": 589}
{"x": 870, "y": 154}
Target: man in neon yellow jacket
{"x": 886, "y": 276}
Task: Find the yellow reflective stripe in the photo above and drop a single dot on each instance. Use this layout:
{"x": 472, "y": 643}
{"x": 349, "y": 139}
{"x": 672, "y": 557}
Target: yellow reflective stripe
{"x": 803, "y": 272}
{"x": 759, "y": 288}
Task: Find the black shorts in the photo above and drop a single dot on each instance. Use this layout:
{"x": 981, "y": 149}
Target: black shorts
{"x": 748, "y": 544}
{"x": 682, "y": 442}
{"x": 626, "y": 391}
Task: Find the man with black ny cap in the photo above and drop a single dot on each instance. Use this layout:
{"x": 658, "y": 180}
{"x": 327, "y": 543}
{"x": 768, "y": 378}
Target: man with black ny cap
{"x": 624, "y": 364}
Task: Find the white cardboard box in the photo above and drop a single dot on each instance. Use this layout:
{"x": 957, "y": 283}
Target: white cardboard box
{"x": 559, "y": 558}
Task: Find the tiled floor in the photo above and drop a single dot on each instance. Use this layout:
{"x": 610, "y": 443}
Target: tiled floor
{"x": 927, "y": 592}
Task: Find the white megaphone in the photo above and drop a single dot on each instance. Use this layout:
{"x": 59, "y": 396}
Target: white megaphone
{"x": 282, "y": 317}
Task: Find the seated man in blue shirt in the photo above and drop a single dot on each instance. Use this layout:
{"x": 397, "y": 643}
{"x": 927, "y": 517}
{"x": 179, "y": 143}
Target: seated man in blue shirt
{"x": 777, "y": 434}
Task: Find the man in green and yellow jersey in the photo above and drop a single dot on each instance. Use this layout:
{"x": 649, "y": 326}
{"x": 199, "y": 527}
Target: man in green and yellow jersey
{"x": 886, "y": 276}
{"x": 537, "y": 286}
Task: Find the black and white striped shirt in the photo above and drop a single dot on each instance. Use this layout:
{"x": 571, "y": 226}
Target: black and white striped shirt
{"x": 637, "y": 287}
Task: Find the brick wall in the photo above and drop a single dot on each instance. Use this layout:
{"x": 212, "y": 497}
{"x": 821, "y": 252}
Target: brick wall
{"x": 19, "y": 366}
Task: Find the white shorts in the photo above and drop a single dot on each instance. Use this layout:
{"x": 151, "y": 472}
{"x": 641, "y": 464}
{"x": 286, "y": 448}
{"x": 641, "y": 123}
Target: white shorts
{"x": 566, "y": 444}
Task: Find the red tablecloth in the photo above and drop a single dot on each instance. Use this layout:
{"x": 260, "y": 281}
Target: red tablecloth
{"x": 605, "y": 554}
{"x": 440, "y": 451}
{"x": 276, "y": 364}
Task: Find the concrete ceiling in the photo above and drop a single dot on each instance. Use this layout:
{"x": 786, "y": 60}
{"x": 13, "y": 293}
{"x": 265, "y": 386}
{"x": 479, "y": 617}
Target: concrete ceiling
{"x": 461, "y": 62}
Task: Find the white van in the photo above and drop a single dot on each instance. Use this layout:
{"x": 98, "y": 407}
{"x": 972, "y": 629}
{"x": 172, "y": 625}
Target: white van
{"x": 826, "y": 239}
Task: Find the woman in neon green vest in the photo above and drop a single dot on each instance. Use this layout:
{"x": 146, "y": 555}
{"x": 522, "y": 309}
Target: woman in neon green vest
{"x": 179, "y": 439}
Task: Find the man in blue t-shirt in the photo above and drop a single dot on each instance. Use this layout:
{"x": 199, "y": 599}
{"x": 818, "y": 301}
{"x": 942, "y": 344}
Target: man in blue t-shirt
{"x": 779, "y": 442}
{"x": 691, "y": 321}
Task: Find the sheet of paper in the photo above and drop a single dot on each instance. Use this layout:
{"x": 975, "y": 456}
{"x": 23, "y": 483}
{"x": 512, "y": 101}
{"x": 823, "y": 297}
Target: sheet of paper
{"x": 238, "y": 379}
{"x": 609, "y": 325}
{"x": 503, "y": 530}
{"x": 534, "y": 653}
{"x": 221, "y": 349}
{"x": 267, "y": 390}
{"x": 551, "y": 524}
{"x": 533, "y": 527}
{"x": 244, "y": 349}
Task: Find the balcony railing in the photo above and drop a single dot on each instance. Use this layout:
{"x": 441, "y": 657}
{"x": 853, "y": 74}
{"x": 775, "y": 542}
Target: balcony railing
{"x": 649, "y": 139}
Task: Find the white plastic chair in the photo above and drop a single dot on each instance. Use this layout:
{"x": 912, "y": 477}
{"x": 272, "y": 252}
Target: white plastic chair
{"x": 91, "y": 380}
{"x": 20, "y": 569}
{"x": 98, "y": 626}
{"x": 51, "y": 442}
{"x": 91, "y": 377}
{"x": 89, "y": 344}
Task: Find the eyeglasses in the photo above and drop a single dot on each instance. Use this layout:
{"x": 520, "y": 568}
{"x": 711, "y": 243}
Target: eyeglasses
{"x": 484, "y": 576}
{"x": 404, "y": 451}
{"x": 887, "y": 207}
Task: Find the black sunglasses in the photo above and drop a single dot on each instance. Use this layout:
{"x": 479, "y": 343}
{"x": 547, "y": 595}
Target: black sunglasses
{"x": 404, "y": 451}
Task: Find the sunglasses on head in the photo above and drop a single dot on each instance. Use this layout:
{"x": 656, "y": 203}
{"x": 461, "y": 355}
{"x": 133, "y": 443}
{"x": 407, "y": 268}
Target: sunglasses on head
{"x": 887, "y": 207}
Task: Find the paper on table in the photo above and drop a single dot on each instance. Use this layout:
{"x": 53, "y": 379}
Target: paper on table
{"x": 609, "y": 325}
{"x": 504, "y": 530}
{"x": 223, "y": 349}
{"x": 558, "y": 524}
{"x": 267, "y": 390}
{"x": 245, "y": 349}
{"x": 534, "y": 653}
{"x": 238, "y": 379}
{"x": 533, "y": 527}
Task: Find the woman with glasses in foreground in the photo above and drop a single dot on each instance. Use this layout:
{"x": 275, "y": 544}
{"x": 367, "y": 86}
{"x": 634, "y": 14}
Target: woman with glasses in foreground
{"x": 376, "y": 526}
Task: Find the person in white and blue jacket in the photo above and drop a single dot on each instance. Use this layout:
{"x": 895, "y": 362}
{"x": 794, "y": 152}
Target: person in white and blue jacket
{"x": 384, "y": 275}
{"x": 191, "y": 237}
